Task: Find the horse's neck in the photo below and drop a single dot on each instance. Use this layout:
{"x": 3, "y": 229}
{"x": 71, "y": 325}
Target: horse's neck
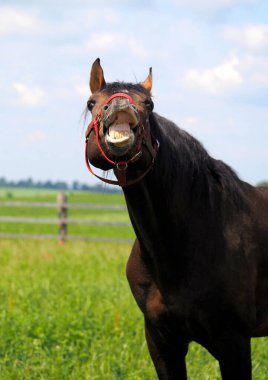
{"x": 162, "y": 209}
{"x": 159, "y": 228}
{"x": 160, "y": 199}
{"x": 145, "y": 206}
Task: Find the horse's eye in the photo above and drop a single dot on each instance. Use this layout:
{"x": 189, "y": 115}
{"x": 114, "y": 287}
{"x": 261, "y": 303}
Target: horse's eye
{"x": 90, "y": 104}
{"x": 149, "y": 105}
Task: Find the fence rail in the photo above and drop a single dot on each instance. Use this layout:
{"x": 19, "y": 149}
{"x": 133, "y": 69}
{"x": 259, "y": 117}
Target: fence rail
{"x": 88, "y": 206}
{"x": 71, "y": 238}
{"x": 63, "y": 221}
{"x": 17, "y": 219}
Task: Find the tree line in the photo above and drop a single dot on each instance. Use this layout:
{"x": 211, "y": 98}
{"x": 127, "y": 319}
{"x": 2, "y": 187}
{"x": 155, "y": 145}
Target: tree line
{"x": 262, "y": 184}
{"x": 62, "y": 185}
{"x": 57, "y": 185}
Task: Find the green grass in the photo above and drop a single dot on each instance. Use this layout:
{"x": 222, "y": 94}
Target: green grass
{"x": 73, "y": 230}
{"x": 44, "y": 195}
{"x": 43, "y": 212}
{"x": 67, "y": 313}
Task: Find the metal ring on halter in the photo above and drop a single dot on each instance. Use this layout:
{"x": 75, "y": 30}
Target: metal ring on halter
{"x": 121, "y": 166}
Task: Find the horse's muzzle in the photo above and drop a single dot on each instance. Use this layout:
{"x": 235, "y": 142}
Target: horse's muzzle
{"x": 119, "y": 121}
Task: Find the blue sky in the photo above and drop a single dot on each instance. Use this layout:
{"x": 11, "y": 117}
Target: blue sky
{"x": 210, "y": 67}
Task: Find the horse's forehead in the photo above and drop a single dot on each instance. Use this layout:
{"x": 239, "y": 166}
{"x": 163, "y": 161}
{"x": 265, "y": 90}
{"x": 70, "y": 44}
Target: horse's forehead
{"x": 103, "y": 95}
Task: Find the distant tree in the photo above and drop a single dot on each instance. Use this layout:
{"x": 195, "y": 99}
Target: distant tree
{"x": 29, "y": 183}
{"x": 85, "y": 187}
{"x": 48, "y": 185}
{"x": 75, "y": 185}
{"x": 262, "y": 183}
{"x": 59, "y": 185}
{"x": 3, "y": 182}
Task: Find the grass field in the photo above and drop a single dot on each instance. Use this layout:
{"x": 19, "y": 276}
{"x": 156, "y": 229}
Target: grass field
{"x": 66, "y": 312}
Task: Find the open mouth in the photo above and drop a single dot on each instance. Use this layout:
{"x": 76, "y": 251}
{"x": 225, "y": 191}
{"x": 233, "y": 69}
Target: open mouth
{"x": 120, "y": 129}
{"x": 119, "y": 134}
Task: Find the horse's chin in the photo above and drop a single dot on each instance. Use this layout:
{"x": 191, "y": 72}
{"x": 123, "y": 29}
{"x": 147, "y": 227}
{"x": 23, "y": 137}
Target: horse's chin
{"x": 115, "y": 147}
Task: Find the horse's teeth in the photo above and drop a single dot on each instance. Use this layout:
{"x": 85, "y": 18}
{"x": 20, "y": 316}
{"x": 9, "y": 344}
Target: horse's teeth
{"x": 119, "y": 133}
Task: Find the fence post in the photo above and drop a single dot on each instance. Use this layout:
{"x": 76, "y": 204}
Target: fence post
{"x": 62, "y": 205}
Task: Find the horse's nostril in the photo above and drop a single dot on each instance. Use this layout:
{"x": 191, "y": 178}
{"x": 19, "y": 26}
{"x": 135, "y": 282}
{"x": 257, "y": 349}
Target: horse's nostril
{"x": 105, "y": 107}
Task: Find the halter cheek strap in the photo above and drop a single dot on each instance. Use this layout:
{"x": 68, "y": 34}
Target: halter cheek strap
{"x": 121, "y": 166}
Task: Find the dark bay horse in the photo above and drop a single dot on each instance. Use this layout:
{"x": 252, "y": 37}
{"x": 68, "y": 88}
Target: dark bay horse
{"x": 199, "y": 267}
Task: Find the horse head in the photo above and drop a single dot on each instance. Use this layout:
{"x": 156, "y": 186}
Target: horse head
{"x": 119, "y": 135}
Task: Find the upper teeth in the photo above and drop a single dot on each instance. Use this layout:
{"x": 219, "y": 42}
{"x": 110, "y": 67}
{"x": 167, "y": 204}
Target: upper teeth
{"x": 119, "y": 133}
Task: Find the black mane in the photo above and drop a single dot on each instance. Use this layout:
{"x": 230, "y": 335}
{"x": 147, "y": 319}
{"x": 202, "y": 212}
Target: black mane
{"x": 191, "y": 167}
{"x": 115, "y": 87}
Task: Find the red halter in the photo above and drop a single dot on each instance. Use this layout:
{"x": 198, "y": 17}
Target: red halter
{"x": 122, "y": 166}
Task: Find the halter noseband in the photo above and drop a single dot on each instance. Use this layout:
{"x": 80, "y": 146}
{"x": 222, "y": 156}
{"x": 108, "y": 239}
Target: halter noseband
{"x": 121, "y": 166}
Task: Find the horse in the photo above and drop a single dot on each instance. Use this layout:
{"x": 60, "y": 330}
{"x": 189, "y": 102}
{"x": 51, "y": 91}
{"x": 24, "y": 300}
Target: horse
{"x": 198, "y": 269}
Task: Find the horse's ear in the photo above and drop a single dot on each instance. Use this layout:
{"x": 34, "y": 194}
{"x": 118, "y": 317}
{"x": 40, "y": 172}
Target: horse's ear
{"x": 148, "y": 83}
{"x": 97, "y": 81}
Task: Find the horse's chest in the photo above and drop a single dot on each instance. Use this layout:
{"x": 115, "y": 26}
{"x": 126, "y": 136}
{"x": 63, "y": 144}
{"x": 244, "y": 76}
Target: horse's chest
{"x": 174, "y": 309}
{"x": 157, "y": 306}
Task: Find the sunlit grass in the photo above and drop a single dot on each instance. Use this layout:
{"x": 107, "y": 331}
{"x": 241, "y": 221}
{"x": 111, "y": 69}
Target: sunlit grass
{"x": 73, "y": 230}
{"x": 67, "y": 313}
{"x": 44, "y": 195}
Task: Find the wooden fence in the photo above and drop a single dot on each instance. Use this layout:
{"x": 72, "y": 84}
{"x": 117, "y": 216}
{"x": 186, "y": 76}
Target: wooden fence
{"x": 62, "y": 221}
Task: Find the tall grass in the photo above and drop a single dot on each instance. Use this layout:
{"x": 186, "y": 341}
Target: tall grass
{"x": 66, "y": 312}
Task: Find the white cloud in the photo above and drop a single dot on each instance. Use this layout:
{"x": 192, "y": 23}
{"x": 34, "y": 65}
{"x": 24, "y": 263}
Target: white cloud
{"x": 211, "y": 5}
{"x": 14, "y": 20}
{"x": 260, "y": 79}
{"x": 250, "y": 36}
{"x": 255, "y": 70}
{"x": 29, "y": 96}
{"x": 103, "y": 42}
{"x": 218, "y": 79}
{"x": 99, "y": 44}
